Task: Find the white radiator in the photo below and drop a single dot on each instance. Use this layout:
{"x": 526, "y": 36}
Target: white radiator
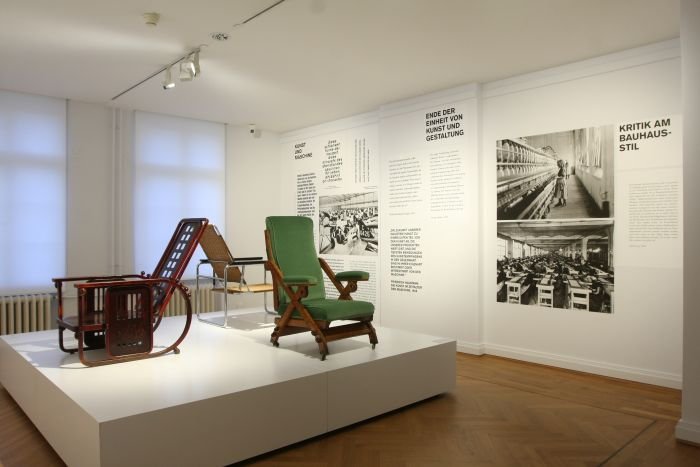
{"x": 26, "y": 313}
{"x": 176, "y": 305}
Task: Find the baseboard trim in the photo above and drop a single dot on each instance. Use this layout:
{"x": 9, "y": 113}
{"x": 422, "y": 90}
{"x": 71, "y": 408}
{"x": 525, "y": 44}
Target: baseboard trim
{"x": 688, "y": 432}
{"x": 640, "y": 375}
{"x": 470, "y": 348}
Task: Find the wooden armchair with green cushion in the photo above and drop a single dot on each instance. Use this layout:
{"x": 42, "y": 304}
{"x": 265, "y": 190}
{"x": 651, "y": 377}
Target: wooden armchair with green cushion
{"x": 300, "y": 295}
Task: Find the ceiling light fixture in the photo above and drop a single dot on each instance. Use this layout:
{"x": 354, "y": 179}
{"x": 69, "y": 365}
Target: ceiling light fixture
{"x": 189, "y": 68}
{"x": 189, "y": 63}
{"x": 168, "y": 83}
{"x": 195, "y": 62}
{"x": 186, "y": 71}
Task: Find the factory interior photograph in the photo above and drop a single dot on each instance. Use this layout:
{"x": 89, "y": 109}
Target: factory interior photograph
{"x": 262, "y": 233}
{"x": 558, "y": 264}
{"x": 557, "y": 176}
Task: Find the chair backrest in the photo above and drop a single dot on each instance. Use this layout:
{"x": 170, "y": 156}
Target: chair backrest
{"x": 174, "y": 261}
{"x": 217, "y": 252}
{"x": 293, "y": 250}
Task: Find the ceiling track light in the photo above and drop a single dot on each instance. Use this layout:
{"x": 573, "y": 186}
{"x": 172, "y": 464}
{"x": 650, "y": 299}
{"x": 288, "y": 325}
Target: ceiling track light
{"x": 168, "y": 83}
{"x": 191, "y": 58}
{"x": 186, "y": 71}
{"x": 189, "y": 68}
{"x": 195, "y": 63}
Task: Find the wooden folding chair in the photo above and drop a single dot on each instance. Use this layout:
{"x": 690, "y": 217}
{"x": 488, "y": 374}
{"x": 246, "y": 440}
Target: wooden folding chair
{"x": 120, "y": 313}
{"x": 300, "y": 295}
{"x": 228, "y": 273}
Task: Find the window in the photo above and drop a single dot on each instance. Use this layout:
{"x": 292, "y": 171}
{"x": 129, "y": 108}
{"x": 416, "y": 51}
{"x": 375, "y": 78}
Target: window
{"x": 501, "y": 248}
{"x": 32, "y": 192}
{"x": 517, "y": 250}
{"x": 588, "y": 146}
{"x": 179, "y": 171}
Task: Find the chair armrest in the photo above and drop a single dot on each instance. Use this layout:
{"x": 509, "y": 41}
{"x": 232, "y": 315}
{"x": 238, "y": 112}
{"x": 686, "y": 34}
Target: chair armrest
{"x": 120, "y": 282}
{"x": 97, "y": 278}
{"x": 299, "y": 280}
{"x": 235, "y": 262}
{"x": 213, "y": 261}
{"x": 246, "y": 261}
{"x": 352, "y": 276}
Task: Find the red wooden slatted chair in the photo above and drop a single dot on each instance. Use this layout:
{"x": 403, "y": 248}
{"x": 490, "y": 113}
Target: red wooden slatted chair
{"x": 120, "y": 313}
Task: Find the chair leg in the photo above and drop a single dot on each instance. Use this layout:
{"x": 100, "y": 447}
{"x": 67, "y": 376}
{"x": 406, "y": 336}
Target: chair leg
{"x": 372, "y": 334}
{"x": 316, "y": 331}
{"x": 308, "y": 320}
{"x": 274, "y": 338}
{"x": 321, "y": 341}
{"x": 281, "y": 324}
{"x": 61, "y": 330}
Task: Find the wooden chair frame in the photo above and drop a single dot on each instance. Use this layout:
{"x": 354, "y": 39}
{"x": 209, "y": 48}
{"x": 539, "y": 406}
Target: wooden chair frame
{"x": 323, "y": 333}
{"x": 119, "y": 313}
{"x": 91, "y": 328}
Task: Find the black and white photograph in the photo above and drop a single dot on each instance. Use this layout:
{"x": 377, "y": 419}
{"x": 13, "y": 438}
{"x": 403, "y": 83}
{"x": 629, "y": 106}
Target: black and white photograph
{"x": 348, "y": 224}
{"x": 565, "y": 264}
{"x": 563, "y": 175}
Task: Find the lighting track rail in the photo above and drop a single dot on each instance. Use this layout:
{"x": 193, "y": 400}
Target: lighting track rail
{"x": 191, "y": 52}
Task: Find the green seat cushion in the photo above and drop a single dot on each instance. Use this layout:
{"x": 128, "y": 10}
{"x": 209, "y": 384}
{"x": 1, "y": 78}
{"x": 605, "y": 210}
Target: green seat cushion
{"x": 352, "y": 276}
{"x": 331, "y": 310}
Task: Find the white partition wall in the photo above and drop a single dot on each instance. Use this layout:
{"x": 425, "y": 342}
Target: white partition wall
{"x": 430, "y": 207}
{"x": 632, "y": 93}
{"x": 330, "y": 174}
{"x": 441, "y": 231}
{"x": 417, "y": 160}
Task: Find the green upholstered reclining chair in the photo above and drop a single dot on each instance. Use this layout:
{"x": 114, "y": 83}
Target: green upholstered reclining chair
{"x": 300, "y": 295}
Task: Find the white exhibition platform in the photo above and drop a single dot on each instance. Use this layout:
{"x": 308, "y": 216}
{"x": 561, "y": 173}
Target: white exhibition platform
{"x": 228, "y": 396}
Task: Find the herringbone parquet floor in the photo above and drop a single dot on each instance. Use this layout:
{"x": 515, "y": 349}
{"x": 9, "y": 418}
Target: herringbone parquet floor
{"x": 502, "y": 413}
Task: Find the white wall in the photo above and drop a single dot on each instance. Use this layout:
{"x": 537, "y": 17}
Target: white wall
{"x": 447, "y": 303}
{"x": 90, "y": 187}
{"x": 285, "y": 151}
{"x": 99, "y": 226}
{"x": 355, "y": 147}
{"x": 252, "y": 193}
{"x": 641, "y": 340}
{"x": 96, "y": 228}
{"x": 99, "y": 231}
{"x": 688, "y": 428}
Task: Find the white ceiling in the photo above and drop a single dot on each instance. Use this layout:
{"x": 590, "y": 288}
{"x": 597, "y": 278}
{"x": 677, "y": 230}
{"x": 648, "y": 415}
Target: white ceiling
{"x": 305, "y": 61}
